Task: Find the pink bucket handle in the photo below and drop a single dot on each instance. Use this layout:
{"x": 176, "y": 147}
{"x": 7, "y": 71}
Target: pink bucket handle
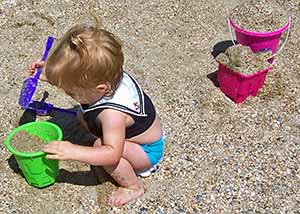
{"x": 286, "y": 26}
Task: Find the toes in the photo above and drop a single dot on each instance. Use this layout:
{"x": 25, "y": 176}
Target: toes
{"x": 111, "y": 200}
{"x": 121, "y": 202}
{"x": 114, "y": 200}
{"x": 123, "y": 196}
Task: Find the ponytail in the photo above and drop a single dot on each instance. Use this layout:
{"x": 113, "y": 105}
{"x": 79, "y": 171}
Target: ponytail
{"x": 77, "y": 44}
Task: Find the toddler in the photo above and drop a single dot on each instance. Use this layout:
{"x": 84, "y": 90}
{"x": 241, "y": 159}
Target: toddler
{"x": 88, "y": 65}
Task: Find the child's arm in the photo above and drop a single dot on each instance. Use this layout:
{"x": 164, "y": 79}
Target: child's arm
{"x": 113, "y": 127}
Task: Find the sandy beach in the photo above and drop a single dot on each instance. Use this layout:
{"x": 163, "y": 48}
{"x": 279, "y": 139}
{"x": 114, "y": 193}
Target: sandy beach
{"x": 220, "y": 157}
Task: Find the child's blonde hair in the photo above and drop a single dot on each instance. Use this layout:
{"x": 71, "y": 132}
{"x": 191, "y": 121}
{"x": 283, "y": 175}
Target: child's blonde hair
{"x": 86, "y": 57}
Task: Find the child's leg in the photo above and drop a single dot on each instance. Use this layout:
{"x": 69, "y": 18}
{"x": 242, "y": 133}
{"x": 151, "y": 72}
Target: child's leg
{"x": 134, "y": 159}
{"x": 130, "y": 187}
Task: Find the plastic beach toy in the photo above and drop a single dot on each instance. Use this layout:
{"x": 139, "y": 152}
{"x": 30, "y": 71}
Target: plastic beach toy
{"x": 30, "y": 84}
{"x": 38, "y": 171}
{"x": 29, "y": 87}
{"x": 43, "y": 108}
{"x": 239, "y": 86}
{"x": 260, "y": 41}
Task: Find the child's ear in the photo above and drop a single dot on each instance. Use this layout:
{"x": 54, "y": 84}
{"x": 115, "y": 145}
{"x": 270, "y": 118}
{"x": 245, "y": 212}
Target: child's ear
{"x": 103, "y": 88}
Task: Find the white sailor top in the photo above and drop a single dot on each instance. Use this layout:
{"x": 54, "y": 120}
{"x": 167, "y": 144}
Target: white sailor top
{"x": 128, "y": 98}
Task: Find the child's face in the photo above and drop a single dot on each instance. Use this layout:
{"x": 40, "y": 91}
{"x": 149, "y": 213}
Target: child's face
{"x": 85, "y": 96}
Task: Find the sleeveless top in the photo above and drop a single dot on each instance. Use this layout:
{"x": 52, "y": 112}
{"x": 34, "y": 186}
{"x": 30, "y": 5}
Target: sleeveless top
{"x": 128, "y": 98}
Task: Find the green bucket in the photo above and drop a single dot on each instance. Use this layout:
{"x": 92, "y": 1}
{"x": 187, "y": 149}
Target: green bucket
{"x": 38, "y": 171}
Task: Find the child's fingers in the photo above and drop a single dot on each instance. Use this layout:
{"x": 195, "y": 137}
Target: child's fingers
{"x": 35, "y": 65}
{"x": 50, "y": 150}
{"x": 51, "y": 147}
{"x": 31, "y": 68}
{"x": 41, "y": 63}
{"x": 53, "y": 157}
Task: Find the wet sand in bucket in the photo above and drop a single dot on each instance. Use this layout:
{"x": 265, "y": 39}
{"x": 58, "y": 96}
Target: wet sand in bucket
{"x": 22, "y": 141}
{"x": 241, "y": 59}
{"x": 259, "y": 16}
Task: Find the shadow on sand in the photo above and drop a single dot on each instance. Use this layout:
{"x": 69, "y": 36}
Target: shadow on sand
{"x": 72, "y": 132}
{"x": 95, "y": 176}
{"x": 218, "y": 48}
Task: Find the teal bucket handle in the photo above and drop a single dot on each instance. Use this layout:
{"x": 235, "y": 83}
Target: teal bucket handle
{"x": 282, "y": 46}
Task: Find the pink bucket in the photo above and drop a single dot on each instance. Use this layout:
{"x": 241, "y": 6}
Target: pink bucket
{"x": 259, "y": 41}
{"x": 239, "y": 86}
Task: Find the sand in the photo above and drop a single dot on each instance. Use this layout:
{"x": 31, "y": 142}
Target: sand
{"x": 260, "y": 16}
{"x": 24, "y": 142}
{"x": 241, "y": 59}
{"x": 220, "y": 157}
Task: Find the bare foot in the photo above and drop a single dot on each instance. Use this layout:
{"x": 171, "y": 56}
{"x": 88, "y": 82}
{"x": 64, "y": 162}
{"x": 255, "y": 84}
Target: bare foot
{"x": 124, "y": 195}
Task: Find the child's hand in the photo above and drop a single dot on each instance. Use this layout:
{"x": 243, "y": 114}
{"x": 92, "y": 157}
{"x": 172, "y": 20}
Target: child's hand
{"x": 34, "y": 66}
{"x": 59, "y": 150}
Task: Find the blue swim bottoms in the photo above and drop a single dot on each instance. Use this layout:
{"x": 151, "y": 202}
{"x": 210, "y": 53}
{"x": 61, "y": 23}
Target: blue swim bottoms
{"x": 154, "y": 150}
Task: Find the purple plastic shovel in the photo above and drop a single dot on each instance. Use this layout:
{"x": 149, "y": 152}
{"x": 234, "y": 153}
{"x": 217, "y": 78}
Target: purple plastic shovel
{"x": 42, "y": 108}
{"x": 30, "y": 84}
